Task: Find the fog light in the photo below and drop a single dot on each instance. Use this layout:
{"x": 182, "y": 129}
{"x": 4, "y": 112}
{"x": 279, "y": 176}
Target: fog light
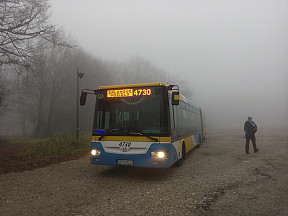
{"x": 95, "y": 152}
{"x": 159, "y": 154}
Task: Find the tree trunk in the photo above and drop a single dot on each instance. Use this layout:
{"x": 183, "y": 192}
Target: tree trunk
{"x": 39, "y": 123}
{"x": 50, "y": 117}
{"x": 23, "y": 121}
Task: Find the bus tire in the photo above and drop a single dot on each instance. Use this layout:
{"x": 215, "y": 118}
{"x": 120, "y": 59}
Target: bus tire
{"x": 183, "y": 151}
{"x": 180, "y": 161}
{"x": 200, "y": 141}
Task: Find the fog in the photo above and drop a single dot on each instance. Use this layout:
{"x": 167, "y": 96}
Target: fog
{"x": 233, "y": 53}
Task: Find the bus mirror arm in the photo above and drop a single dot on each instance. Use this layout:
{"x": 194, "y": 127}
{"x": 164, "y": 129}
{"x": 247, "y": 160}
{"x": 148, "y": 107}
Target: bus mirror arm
{"x": 84, "y": 95}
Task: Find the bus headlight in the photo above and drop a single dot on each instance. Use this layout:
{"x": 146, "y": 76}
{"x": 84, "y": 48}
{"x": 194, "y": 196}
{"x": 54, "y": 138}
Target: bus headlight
{"x": 159, "y": 154}
{"x": 95, "y": 152}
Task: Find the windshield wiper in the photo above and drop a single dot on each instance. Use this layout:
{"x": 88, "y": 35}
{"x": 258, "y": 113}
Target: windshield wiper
{"x": 121, "y": 129}
{"x": 109, "y": 132}
{"x": 138, "y": 133}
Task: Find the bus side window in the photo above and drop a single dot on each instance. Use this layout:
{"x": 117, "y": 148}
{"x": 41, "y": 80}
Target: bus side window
{"x": 190, "y": 119}
{"x": 179, "y": 119}
{"x": 173, "y": 119}
{"x": 184, "y": 122}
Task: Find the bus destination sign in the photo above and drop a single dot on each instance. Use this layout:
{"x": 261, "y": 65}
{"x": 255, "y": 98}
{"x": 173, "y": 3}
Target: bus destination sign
{"x": 116, "y": 93}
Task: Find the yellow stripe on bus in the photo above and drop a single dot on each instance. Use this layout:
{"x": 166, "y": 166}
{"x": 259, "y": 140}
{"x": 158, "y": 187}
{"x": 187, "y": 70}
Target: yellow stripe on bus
{"x": 189, "y": 143}
{"x": 133, "y": 85}
{"x": 131, "y": 138}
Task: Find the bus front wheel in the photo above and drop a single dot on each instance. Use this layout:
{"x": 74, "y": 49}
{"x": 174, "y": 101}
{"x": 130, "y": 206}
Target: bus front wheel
{"x": 180, "y": 161}
{"x": 200, "y": 141}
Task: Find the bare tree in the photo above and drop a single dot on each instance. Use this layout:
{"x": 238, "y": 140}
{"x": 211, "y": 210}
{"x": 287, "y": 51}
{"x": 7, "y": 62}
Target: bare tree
{"x": 21, "y": 22}
{"x": 4, "y": 94}
{"x": 42, "y": 83}
{"x": 36, "y": 84}
{"x": 136, "y": 70}
{"x": 139, "y": 70}
{"x": 59, "y": 70}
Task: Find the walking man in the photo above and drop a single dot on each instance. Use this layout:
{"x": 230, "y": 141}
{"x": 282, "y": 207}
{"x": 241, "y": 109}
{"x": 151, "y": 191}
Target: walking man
{"x": 250, "y": 129}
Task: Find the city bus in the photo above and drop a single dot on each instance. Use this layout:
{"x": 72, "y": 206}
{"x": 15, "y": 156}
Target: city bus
{"x": 143, "y": 125}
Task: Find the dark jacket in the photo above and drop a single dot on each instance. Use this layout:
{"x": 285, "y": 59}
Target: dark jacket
{"x": 250, "y": 128}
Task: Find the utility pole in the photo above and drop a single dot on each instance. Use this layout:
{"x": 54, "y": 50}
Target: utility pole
{"x": 79, "y": 76}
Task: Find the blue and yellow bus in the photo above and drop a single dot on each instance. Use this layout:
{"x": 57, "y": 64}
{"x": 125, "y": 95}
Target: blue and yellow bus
{"x": 143, "y": 125}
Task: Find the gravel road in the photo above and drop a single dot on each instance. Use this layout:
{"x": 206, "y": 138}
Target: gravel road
{"x": 216, "y": 179}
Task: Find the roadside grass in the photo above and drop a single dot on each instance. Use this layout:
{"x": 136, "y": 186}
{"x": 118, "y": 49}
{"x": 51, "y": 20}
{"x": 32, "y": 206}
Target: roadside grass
{"x": 18, "y": 154}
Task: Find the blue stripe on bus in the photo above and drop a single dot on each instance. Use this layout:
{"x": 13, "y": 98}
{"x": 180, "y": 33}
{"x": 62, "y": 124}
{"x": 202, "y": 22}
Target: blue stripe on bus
{"x": 140, "y": 160}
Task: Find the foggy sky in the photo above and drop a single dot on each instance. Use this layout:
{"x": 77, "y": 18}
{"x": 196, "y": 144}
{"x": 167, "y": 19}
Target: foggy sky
{"x": 233, "y": 53}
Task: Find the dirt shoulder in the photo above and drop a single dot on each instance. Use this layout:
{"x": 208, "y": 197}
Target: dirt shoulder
{"x": 216, "y": 179}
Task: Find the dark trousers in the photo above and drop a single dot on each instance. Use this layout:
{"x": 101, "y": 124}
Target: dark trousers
{"x": 248, "y": 138}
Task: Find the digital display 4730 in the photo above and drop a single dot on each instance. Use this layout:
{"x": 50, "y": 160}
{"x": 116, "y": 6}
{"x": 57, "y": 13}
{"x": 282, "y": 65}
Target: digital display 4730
{"x": 115, "y": 93}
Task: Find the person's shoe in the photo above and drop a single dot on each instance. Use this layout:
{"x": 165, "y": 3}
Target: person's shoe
{"x": 257, "y": 150}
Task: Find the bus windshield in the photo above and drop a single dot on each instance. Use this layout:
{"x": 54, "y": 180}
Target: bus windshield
{"x": 130, "y": 111}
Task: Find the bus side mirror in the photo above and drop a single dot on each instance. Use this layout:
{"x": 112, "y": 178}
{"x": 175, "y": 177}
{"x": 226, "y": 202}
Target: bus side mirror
{"x": 83, "y": 98}
{"x": 175, "y": 98}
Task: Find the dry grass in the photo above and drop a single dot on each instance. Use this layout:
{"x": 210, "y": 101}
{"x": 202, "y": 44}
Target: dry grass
{"x": 18, "y": 154}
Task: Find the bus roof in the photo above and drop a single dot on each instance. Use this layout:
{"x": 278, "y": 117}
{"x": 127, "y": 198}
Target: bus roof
{"x": 133, "y": 85}
{"x": 192, "y": 104}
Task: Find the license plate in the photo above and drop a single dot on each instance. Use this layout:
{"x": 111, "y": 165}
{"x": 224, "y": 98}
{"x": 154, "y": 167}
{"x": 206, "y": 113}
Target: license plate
{"x": 125, "y": 162}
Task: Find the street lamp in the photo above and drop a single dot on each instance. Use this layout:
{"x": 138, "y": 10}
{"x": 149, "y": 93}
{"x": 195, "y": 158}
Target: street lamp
{"x": 79, "y": 75}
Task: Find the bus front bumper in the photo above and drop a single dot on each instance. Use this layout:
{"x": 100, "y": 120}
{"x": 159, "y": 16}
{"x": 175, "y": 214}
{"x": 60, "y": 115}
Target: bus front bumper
{"x": 137, "y": 160}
